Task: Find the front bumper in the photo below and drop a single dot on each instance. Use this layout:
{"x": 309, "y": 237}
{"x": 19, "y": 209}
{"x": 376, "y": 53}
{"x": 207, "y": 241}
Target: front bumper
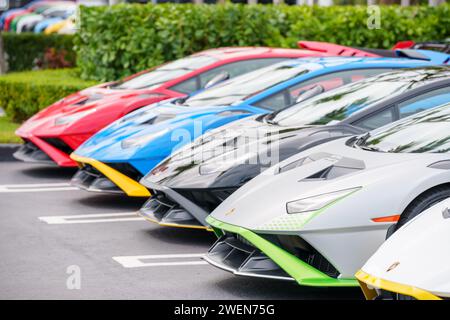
{"x": 295, "y": 268}
{"x": 372, "y": 286}
{"x": 29, "y": 152}
{"x": 170, "y": 209}
{"x": 233, "y": 254}
{"x": 90, "y": 179}
{"x": 184, "y": 208}
{"x": 45, "y": 150}
{"x": 97, "y": 176}
{"x": 168, "y": 214}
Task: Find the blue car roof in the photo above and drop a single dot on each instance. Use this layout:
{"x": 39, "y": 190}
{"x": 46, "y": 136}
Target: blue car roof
{"x": 325, "y": 65}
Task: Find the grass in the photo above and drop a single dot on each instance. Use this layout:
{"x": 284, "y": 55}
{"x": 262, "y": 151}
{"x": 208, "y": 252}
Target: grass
{"x": 7, "y": 129}
{"x": 68, "y": 77}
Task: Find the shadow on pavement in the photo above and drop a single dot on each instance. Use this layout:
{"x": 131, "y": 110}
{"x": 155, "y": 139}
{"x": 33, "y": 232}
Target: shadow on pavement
{"x": 260, "y": 288}
{"x": 111, "y": 201}
{"x": 49, "y": 172}
{"x": 181, "y": 236}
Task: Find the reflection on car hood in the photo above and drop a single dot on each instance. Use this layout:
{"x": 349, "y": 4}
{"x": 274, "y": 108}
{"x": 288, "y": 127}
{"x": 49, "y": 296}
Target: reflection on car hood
{"x": 249, "y": 146}
{"x": 98, "y": 98}
{"x": 164, "y": 118}
{"x": 90, "y": 97}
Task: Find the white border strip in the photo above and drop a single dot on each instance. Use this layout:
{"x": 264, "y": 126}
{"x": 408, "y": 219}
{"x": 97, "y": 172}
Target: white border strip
{"x": 37, "y": 187}
{"x": 136, "y": 261}
{"x": 92, "y": 218}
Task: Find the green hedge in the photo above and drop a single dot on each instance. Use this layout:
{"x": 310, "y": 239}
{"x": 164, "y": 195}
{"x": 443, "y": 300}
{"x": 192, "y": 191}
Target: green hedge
{"x": 22, "y": 94}
{"x": 117, "y": 41}
{"x": 24, "y": 50}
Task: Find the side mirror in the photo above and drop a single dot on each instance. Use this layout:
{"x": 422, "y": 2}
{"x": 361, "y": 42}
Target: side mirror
{"x": 222, "y": 76}
{"x": 317, "y": 89}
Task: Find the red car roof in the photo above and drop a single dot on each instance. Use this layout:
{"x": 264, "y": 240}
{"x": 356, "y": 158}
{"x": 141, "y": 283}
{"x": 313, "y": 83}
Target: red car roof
{"x": 308, "y": 48}
{"x": 240, "y": 52}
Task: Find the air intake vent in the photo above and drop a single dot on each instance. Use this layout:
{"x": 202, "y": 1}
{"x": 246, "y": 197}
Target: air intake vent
{"x": 232, "y": 253}
{"x": 305, "y": 252}
{"x": 90, "y": 99}
{"x": 160, "y": 118}
{"x": 331, "y": 173}
{"x": 59, "y": 144}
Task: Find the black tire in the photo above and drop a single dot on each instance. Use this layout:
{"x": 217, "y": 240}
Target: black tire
{"x": 420, "y": 204}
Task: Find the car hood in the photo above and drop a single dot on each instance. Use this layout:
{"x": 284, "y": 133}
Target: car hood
{"x": 264, "y": 198}
{"x": 101, "y": 101}
{"x": 235, "y": 153}
{"x": 411, "y": 257}
{"x": 161, "y": 127}
{"x": 87, "y": 97}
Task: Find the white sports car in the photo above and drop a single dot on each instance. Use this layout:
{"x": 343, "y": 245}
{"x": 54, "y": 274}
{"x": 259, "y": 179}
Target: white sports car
{"x": 317, "y": 217}
{"x": 414, "y": 263}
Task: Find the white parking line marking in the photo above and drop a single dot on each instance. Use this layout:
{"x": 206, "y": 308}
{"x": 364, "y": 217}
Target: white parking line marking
{"x": 187, "y": 259}
{"x": 28, "y": 185}
{"x": 92, "y": 218}
{"x": 37, "y": 187}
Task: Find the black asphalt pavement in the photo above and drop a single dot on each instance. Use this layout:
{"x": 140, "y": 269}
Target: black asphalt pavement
{"x": 90, "y": 258}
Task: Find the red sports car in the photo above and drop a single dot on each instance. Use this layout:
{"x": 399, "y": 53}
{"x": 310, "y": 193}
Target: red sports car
{"x": 53, "y": 133}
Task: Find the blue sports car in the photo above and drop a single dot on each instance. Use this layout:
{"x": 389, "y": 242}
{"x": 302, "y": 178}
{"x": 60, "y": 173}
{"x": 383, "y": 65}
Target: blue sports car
{"x": 116, "y": 158}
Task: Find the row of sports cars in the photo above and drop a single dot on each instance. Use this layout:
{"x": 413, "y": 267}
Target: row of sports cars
{"x": 41, "y": 16}
{"x": 302, "y": 161}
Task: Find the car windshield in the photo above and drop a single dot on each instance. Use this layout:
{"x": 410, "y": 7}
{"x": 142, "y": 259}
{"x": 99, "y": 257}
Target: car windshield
{"x": 167, "y": 72}
{"x": 426, "y": 132}
{"x": 338, "y": 104}
{"x": 245, "y": 86}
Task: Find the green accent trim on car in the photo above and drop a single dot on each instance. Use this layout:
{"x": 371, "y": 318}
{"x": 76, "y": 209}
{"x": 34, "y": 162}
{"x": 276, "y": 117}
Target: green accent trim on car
{"x": 302, "y": 272}
{"x": 217, "y": 232}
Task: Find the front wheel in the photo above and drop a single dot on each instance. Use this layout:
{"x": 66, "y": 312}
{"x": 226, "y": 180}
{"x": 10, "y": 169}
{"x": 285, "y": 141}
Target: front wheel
{"x": 420, "y": 204}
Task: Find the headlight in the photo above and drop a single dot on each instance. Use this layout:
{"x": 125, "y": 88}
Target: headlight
{"x": 73, "y": 117}
{"x": 317, "y": 202}
{"x": 300, "y": 212}
{"x": 142, "y": 140}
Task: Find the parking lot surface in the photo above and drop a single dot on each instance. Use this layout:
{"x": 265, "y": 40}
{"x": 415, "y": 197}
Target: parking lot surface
{"x": 50, "y": 232}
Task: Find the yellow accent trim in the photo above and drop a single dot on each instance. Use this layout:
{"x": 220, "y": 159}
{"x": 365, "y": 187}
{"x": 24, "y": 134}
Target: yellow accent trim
{"x": 131, "y": 187}
{"x": 184, "y": 226}
{"x": 366, "y": 281}
{"x": 54, "y": 28}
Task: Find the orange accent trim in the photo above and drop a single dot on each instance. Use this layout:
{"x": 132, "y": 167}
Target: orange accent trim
{"x": 394, "y": 218}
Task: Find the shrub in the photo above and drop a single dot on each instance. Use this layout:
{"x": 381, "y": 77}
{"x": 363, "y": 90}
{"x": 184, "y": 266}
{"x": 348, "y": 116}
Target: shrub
{"x": 22, "y": 94}
{"x": 26, "y": 51}
{"x": 120, "y": 40}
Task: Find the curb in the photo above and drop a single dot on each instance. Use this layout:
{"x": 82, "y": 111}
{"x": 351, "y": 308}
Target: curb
{"x": 7, "y": 150}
